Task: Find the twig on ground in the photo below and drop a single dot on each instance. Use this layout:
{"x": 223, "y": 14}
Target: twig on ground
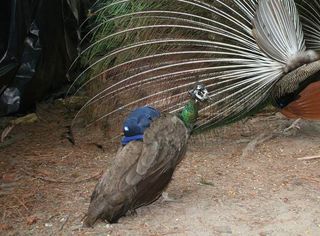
{"x": 22, "y": 203}
{"x": 294, "y": 125}
{"x": 67, "y": 155}
{"x": 53, "y": 216}
{"x": 85, "y": 215}
{"x": 64, "y": 223}
{"x": 175, "y": 232}
{"x": 96, "y": 176}
{"x": 6, "y": 132}
{"x": 17, "y": 210}
{"x": 205, "y": 182}
{"x": 311, "y": 179}
{"x": 2, "y": 193}
{"x": 166, "y": 198}
{"x": 4, "y": 215}
{"x": 308, "y": 158}
{"x": 255, "y": 142}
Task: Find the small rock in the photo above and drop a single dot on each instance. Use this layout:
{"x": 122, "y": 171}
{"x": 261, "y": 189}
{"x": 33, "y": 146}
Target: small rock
{"x": 108, "y": 226}
{"x": 49, "y": 225}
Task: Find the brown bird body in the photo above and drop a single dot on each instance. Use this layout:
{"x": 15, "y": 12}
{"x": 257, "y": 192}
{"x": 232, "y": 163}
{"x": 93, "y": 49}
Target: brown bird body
{"x": 297, "y": 94}
{"x": 140, "y": 172}
{"x": 307, "y": 105}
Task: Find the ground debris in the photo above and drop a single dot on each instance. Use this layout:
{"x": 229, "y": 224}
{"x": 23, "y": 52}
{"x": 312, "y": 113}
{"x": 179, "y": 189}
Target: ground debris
{"x": 5, "y": 227}
{"x": 308, "y": 158}
{"x": 64, "y": 220}
{"x": 32, "y": 220}
{"x": 51, "y": 180}
{"x": 28, "y": 119}
{"x": 206, "y": 183}
{"x": 9, "y": 177}
{"x": 249, "y": 149}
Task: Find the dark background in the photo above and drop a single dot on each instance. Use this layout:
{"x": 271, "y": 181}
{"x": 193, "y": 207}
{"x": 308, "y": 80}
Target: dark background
{"x": 39, "y": 69}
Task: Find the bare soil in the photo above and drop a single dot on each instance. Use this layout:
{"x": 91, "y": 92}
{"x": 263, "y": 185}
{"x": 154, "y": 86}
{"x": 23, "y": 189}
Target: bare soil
{"x": 243, "y": 179}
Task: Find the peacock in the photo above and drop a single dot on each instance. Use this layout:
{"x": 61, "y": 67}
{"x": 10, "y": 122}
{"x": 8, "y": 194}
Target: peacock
{"x": 297, "y": 93}
{"x": 143, "y": 166}
{"x": 246, "y": 53}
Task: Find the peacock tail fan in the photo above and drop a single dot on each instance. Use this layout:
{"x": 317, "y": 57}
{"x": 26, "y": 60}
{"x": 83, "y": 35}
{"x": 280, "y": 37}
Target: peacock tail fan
{"x": 309, "y": 11}
{"x": 150, "y": 52}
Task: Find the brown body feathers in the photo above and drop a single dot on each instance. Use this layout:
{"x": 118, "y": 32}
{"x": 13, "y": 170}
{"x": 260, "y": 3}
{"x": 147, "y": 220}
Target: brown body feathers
{"x": 140, "y": 172}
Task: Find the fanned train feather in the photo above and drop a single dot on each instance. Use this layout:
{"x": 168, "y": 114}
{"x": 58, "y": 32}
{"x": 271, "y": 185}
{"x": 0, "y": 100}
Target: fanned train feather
{"x": 309, "y": 11}
{"x": 150, "y": 52}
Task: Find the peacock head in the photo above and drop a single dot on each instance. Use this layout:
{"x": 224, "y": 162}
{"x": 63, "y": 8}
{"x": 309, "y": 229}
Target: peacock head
{"x": 199, "y": 92}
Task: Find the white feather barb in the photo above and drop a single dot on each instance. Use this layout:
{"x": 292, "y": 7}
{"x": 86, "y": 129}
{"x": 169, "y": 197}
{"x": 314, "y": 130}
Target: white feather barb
{"x": 277, "y": 29}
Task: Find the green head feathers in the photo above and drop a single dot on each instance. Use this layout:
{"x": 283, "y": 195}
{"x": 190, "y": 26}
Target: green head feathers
{"x": 189, "y": 114}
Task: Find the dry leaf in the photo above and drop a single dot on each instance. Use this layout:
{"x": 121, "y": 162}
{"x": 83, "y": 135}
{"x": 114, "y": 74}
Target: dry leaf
{"x": 5, "y": 227}
{"x": 32, "y": 220}
{"x": 8, "y": 177}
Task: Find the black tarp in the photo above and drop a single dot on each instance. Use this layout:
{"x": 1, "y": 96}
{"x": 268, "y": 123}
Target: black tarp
{"x": 38, "y": 42}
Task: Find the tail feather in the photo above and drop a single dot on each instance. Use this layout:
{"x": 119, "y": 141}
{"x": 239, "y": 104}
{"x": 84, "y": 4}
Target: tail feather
{"x": 151, "y": 52}
{"x": 278, "y": 30}
{"x": 310, "y": 16}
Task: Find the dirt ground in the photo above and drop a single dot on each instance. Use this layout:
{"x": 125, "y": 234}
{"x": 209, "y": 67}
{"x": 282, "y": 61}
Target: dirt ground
{"x": 244, "y": 179}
